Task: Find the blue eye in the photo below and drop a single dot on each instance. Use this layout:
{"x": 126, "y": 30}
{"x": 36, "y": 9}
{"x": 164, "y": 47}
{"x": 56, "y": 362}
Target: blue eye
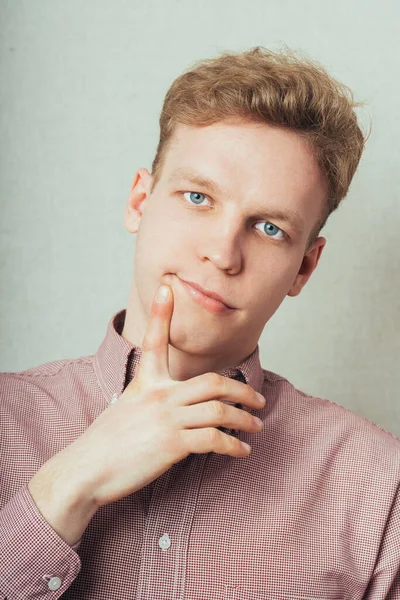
{"x": 196, "y": 197}
{"x": 272, "y": 229}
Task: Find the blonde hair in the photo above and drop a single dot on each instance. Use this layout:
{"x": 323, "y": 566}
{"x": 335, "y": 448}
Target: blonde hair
{"x": 277, "y": 88}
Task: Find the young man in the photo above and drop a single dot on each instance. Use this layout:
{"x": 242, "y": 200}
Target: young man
{"x": 155, "y": 496}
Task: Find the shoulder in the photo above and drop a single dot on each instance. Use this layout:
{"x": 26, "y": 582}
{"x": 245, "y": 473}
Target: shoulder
{"x": 323, "y": 418}
{"x": 43, "y": 379}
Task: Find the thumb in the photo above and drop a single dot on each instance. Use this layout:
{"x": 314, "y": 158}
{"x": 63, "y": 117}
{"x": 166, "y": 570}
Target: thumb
{"x": 154, "y": 359}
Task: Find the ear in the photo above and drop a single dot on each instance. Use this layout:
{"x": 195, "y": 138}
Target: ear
{"x": 309, "y": 263}
{"x": 138, "y": 196}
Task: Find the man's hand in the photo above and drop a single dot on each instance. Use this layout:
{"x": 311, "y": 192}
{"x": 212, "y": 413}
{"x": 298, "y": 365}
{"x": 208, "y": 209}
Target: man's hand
{"x": 156, "y": 423}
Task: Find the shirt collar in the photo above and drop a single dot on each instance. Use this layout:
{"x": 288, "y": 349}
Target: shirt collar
{"x": 116, "y": 360}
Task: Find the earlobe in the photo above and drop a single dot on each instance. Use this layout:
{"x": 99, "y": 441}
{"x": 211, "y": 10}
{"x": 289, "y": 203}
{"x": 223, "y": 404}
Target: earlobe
{"x": 138, "y": 195}
{"x": 296, "y": 287}
{"x": 308, "y": 266}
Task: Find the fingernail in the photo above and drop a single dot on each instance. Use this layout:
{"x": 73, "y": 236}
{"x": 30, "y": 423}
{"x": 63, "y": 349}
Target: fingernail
{"x": 162, "y": 294}
{"x": 246, "y": 446}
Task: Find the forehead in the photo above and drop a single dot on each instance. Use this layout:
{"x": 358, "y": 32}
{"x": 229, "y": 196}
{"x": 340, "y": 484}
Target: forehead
{"x": 255, "y": 162}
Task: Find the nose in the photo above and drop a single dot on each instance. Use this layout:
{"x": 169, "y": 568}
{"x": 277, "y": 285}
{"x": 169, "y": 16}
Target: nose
{"x": 223, "y": 249}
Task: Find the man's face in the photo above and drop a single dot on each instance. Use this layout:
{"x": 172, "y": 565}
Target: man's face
{"x": 229, "y": 235}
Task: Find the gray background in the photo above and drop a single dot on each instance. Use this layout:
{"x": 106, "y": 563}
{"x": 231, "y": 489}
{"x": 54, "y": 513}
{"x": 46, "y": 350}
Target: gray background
{"x": 82, "y": 85}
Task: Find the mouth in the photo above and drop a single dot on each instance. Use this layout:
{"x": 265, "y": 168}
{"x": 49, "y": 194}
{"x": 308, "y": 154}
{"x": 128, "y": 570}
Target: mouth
{"x": 212, "y": 303}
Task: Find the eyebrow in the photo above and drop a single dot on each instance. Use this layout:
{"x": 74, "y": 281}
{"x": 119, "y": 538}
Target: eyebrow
{"x": 292, "y": 217}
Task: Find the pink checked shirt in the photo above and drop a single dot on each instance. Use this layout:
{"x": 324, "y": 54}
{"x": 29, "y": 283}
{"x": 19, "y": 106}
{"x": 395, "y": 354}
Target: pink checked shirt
{"x": 313, "y": 513}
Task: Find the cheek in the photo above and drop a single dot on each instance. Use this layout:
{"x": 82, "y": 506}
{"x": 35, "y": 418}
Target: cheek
{"x": 273, "y": 283}
{"x": 160, "y": 222}
{"x": 160, "y": 243}
{"x": 278, "y": 268}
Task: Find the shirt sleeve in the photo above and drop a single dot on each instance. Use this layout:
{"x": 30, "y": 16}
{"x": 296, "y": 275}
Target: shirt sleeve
{"x": 385, "y": 582}
{"x": 35, "y": 562}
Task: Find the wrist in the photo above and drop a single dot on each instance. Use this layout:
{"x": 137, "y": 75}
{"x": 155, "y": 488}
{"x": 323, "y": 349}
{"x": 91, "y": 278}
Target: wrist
{"x": 66, "y": 504}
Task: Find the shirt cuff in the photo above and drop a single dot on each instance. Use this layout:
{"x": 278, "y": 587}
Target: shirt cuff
{"x": 35, "y": 561}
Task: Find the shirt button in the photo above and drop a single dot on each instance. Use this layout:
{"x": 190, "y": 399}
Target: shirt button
{"x": 164, "y": 542}
{"x": 54, "y": 583}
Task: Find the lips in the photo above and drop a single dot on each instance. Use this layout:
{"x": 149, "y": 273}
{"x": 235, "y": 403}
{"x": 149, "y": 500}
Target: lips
{"x": 208, "y": 293}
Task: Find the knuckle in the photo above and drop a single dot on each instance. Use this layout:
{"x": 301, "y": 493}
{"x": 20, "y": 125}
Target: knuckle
{"x": 212, "y": 435}
{"x": 217, "y": 409}
{"x": 214, "y": 381}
